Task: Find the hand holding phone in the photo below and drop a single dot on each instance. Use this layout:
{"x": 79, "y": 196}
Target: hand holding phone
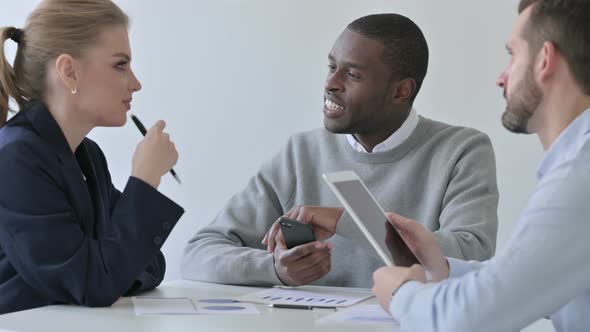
{"x": 295, "y": 233}
{"x": 322, "y": 219}
{"x": 305, "y": 259}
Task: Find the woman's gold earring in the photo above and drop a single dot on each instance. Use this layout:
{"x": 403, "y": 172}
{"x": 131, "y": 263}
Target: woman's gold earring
{"x": 74, "y": 90}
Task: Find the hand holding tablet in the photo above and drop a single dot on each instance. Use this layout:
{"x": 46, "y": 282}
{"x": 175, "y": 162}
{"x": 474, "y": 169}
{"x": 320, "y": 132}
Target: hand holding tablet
{"x": 370, "y": 218}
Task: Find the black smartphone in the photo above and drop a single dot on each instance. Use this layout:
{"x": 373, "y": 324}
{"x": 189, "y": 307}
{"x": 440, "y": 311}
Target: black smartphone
{"x": 296, "y": 233}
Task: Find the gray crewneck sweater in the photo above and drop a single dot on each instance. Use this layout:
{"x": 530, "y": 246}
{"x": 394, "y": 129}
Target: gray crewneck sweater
{"x": 442, "y": 176}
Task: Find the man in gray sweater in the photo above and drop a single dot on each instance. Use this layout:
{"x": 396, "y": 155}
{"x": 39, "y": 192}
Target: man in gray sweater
{"x": 442, "y": 175}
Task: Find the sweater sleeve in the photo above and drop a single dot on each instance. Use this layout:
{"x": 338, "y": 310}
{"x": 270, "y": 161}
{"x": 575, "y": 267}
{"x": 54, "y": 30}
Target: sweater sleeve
{"x": 467, "y": 223}
{"x": 229, "y": 250}
{"x": 468, "y": 219}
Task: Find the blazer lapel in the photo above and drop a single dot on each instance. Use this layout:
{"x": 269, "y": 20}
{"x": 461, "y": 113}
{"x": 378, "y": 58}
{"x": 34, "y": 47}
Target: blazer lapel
{"x": 92, "y": 187}
{"x": 79, "y": 193}
{"x": 76, "y": 189}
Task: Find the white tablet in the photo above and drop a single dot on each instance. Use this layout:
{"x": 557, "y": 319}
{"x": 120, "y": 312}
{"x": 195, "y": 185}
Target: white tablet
{"x": 370, "y": 218}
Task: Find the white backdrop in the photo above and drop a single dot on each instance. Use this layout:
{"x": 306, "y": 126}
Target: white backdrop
{"x": 234, "y": 78}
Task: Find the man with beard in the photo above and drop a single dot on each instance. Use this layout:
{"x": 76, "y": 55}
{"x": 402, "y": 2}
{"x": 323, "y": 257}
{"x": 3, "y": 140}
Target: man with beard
{"x": 545, "y": 269}
{"x": 437, "y": 173}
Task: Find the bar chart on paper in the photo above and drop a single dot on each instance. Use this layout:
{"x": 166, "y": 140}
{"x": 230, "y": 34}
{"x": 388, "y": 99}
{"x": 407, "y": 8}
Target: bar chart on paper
{"x": 360, "y": 314}
{"x": 301, "y": 297}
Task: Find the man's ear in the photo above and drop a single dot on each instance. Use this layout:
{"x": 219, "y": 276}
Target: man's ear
{"x": 65, "y": 66}
{"x": 403, "y": 90}
{"x": 546, "y": 61}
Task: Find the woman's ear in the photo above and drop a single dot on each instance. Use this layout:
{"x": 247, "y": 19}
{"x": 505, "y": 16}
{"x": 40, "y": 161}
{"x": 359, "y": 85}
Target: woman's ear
{"x": 65, "y": 66}
{"x": 403, "y": 90}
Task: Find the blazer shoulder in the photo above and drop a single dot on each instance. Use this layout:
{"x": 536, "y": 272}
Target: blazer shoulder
{"x": 22, "y": 142}
{"x": 30, "y": 169}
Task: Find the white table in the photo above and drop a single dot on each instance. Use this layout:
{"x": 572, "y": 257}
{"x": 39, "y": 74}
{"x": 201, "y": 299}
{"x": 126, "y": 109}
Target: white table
{"x": 121, "y": 316}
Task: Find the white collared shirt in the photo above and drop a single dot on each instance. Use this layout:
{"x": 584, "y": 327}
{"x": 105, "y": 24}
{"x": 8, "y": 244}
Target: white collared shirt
{"x": 393, "y": 141}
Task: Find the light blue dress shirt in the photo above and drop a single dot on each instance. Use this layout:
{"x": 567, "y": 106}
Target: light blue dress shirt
{"x": 544, "y": 270}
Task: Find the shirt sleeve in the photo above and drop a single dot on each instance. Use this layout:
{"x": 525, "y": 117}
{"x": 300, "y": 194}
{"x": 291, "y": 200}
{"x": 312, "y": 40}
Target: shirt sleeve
{"x": 459, "y": 267}
{"x": 545, "y": 265}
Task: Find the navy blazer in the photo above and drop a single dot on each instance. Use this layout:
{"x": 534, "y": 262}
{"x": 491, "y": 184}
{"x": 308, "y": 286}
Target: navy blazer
{"x": 66, "y": 239}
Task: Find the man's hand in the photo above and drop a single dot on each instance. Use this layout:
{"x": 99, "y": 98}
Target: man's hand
{"x": 423, "y": 244}
{"x": 388, "y": 279}
{"x": 400, "y": 252}
{"x": 303, "y": 264}
{"x": 322, "y": 219}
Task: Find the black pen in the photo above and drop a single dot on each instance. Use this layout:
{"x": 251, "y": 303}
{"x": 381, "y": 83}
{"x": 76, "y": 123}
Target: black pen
{"x": 141, "y": 128}
{"x": 299, "y": 306}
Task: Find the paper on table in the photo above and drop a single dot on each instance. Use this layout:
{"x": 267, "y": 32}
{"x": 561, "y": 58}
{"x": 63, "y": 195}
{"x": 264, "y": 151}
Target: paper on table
{"x": 147, "y": 305}
{"x": 360, "y": 314}
{"x": 316, "y": 298}
{"x": 228, "y": 309}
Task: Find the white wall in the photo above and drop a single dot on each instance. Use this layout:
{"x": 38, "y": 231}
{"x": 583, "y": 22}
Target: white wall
{"x": 235, "y": 78}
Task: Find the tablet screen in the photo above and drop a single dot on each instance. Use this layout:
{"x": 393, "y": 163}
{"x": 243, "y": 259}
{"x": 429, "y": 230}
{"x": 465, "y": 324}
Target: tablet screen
{"x": 370, "y": 214}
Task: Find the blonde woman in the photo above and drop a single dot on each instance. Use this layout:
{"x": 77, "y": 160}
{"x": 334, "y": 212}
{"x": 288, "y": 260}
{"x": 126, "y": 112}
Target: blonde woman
{"x": 67, "y": 235}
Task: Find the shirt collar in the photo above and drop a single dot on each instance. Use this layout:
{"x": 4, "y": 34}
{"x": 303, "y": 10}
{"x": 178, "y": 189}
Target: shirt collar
{"x": 567, "y": 145}
{"x": 393, "y": 141}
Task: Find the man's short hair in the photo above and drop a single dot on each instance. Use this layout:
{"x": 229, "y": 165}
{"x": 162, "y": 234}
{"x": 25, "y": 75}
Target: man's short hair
{"x": 405, "y": 48}
{"x": 566, "y": 24}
